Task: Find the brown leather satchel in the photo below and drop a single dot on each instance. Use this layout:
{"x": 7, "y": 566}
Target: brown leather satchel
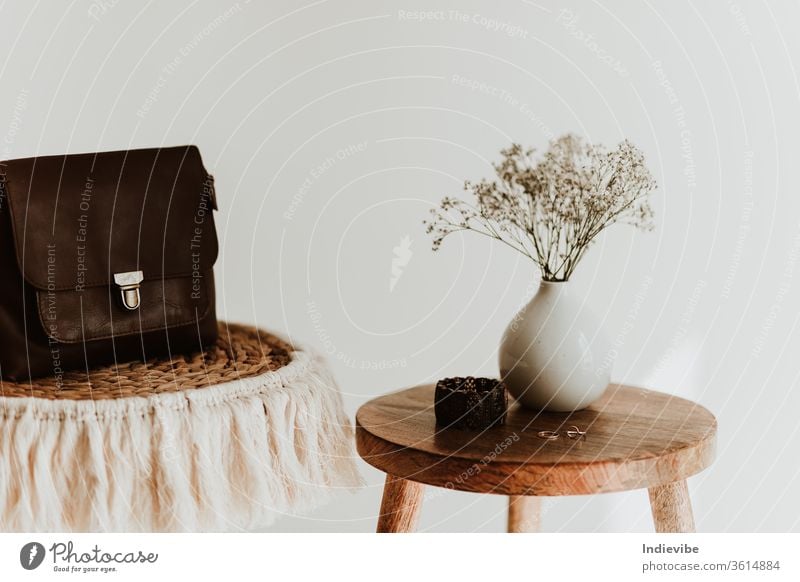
{"x": 104, "y": 258}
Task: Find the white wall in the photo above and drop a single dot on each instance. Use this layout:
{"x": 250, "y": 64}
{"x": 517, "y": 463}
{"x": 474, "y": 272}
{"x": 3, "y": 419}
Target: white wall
{"x": 270, "y": 91}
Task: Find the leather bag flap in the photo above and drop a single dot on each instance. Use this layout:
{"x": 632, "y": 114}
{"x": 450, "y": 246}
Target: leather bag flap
{"x": 79, "y": 220}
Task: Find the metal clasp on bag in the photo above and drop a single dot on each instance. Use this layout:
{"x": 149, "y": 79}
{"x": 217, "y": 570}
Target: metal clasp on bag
{"x": 129, "y": 288}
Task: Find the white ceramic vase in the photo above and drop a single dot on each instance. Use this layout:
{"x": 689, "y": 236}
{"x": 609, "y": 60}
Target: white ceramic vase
{"x": 554, "y": 355}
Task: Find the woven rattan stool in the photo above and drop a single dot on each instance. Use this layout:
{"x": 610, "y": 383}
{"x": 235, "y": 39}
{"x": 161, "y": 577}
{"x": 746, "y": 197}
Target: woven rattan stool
{"x": 225, "y": 440}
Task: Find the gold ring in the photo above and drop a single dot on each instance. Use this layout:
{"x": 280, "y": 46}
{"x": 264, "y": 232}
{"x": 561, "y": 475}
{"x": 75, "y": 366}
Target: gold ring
{"x": 548, "y": 435}
{"x": 575, "y": 433}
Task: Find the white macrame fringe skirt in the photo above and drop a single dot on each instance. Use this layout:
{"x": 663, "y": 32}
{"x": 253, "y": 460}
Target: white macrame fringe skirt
{"x": 229, "y": 457}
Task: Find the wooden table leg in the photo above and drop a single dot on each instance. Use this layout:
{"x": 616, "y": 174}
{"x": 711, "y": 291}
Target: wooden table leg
{"x": 672, "y": 508}
{"x": 524, "y": 514}
{"x": 402, "y": 500}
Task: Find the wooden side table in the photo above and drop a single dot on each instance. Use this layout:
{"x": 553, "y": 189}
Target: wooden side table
{"x": 635, "y": 439}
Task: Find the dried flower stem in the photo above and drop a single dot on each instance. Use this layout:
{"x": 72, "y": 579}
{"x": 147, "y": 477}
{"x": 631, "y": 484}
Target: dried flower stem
{"x": 551, "y": 209}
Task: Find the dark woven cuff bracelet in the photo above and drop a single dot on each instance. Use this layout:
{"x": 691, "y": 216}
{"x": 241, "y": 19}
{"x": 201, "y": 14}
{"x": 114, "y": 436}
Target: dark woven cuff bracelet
{"x": 472, "y": 403}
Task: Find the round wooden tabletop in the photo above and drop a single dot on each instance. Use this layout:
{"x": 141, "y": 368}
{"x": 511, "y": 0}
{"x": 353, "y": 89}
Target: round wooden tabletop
{"x": 635, "y": 438}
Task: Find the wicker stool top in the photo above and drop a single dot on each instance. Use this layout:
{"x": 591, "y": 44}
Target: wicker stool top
{"x": 240, "y": 352}
{"x": 226, "y": 440}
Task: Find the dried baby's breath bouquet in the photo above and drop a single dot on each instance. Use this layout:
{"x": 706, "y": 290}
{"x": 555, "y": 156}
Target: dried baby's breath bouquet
{"x": 550, "y": 208}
